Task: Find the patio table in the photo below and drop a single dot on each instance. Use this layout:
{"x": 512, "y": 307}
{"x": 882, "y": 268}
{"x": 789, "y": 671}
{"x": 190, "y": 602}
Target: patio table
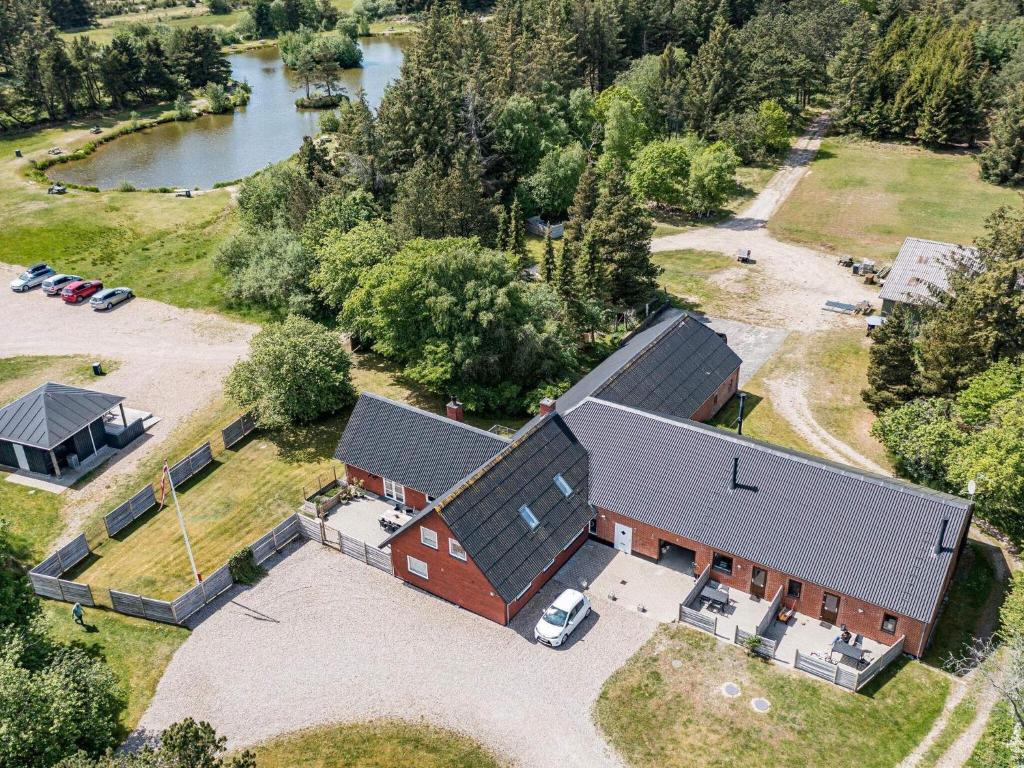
{"x": 847, "y": 650}
{"x": 715, "y": 595}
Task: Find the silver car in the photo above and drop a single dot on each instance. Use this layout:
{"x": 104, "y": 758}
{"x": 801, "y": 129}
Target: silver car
{"x": 110, "y": 297}
{"x": 31, "y": 277}
{"x": 52, "y": 286}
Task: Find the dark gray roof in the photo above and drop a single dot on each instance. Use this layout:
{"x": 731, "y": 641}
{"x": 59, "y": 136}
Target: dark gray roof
{"x": 483, "y": 511}
{"x": 919, "y": 267}
{"x": 673, "y": 366}
{"x": 51, "y": 413}
{"x": 418, "y": 449}
{"x": 861, "y": 535}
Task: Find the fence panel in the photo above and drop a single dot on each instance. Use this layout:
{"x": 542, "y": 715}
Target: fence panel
{"x": 310, "y": 528}
{"x": 45, "y": 585}
{"x": 187, "y": 603}
{"x": 286, "y": 531}
{"x": 353, "y": 547}
{"x": 75, "y": 592}
{"x": 378, "y": 558}
{"x": 816, "y": 667}
{"x": 73, "y": 553}
{"x": 158, "y": 610}
{"x": 192, "y": 463}
{"x": 262, "y": 548}
{"x": 846, "y": 677}
{"x": 127, "y": 603}
{"x": 237, "y": 429}
{"x": 773, "y": 611}
{"x": 698, "y": 619}
{"x": 46, "y": 580}
{"x": 868, "y": 673}
{"x": 49, "y": 567}
{"x": 130, "y": 511}
{"x": 702, "y": 581}
{"x": 218, "y": 582}
{"x": 766, "y": 647}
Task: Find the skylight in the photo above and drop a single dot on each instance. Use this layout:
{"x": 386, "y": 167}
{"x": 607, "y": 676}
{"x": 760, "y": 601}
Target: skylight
{"x": 563, "y": 486}
{"x": 528, "y": 517}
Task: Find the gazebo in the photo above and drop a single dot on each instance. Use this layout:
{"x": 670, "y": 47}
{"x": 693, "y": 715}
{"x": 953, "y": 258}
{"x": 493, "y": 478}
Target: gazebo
{"x": 54, "y": 427}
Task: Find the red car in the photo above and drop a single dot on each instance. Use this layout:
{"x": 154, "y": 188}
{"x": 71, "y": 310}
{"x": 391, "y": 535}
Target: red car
{"x": 80, "y": 290}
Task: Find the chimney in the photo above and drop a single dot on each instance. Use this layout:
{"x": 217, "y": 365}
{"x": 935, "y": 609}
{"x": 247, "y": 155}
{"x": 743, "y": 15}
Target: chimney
{"x": 735, "y": 472}
{"x": 739, "y": 419}
{"x": 547, "y": 405}
{"x": 454, "y": 410}
{"x": 942, "y": 535}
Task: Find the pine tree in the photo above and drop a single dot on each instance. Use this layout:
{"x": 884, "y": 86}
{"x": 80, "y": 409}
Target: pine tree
{"x": 1002, "y": 161}
{"x": 712, "y": 80}
{"x": 584, "y": 202}
{"x": 548, "y": 262}
{"x": 892, "y": 370}
{"x": 849, "y": 87}
{"x": 565, "y": 272}
{"x": 621, "y": 229}
{"x": 501, "y": 237}
{"x": 516, "y": 237}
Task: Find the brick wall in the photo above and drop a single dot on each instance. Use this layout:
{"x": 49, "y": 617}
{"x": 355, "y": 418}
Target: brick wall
{"x": 458, "y": 581}
{"x": 721, "y": 396}
{"x": 550, "y": 571}
{"x": 860, "y": 617}
{"x": 375, "y": 484}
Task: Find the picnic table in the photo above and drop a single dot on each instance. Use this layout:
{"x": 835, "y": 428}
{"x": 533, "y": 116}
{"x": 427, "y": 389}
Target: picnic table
{"x": 847, "y": 650}
{"x": 392, "y": 521}
{"x": 716, "y": 595}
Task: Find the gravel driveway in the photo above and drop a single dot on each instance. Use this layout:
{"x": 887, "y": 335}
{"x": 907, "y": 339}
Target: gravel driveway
{"x": 325, "y": 639}
{"x": 172, "y": 361}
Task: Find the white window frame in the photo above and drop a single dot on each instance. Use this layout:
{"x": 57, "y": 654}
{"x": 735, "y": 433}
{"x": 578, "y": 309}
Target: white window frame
{"x": 458, "y": 554}
{"x": 428, "y": 537}
{"x": 414, "y": 567}
{"x": 563, "y": 486}
{"x": 394, "y": 491}
{"x": 527, "y": 516}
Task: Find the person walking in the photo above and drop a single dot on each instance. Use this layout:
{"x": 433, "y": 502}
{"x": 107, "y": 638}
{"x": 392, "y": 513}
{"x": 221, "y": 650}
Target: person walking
{"x": 79, "y": 614}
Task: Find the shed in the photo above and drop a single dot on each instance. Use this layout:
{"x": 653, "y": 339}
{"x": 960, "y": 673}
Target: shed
{"x": 918, "y": 270}
{"x": 54, "y": 427}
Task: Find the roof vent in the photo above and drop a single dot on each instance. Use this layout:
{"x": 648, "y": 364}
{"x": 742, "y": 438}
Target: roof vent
{"x": 735, "y": 472}
{"x": 942, "y": 535}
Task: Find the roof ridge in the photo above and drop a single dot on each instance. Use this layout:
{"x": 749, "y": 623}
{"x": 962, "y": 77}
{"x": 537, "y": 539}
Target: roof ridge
{"x": 788, "y": 453}
{"x": 437, "y": 416}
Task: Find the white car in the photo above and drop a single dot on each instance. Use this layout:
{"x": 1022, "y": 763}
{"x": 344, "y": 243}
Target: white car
{"x": 31, "y": 277}
{"x": 110, "y": 297}
{"x": 561, "y": 618}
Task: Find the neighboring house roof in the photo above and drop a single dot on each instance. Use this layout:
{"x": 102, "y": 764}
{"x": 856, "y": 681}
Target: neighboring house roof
{"x": 51, "y": 413}
{"x": 673, "y": 366}
{"x": 858, "y": 534}
{"x": 484, "y": 510}
{"x": 919, "y": 267}
{"x": 413, "y": 447}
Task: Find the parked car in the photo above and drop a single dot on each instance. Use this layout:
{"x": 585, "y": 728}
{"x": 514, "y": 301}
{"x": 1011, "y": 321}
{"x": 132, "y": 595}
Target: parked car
{"x": 73, "y": 293}
{"x": 31, "y": 277}
{"x": 561, "y": 618}
{"x": 110, "y": 297}
{"x": 52, "y": 286}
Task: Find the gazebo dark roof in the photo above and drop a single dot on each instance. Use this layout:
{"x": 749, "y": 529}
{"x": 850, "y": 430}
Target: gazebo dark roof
{"x": 51, "y": 413}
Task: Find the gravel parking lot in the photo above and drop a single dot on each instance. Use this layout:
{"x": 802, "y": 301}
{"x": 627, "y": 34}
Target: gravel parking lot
{"x": 172, "y": 361}
{"x": 324, "y": 638}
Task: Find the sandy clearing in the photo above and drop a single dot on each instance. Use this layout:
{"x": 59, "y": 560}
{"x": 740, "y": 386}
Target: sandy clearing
{"x": 172, "y": 363}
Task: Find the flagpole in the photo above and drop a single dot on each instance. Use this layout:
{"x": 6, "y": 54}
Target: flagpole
{"x": 181, "y": 520}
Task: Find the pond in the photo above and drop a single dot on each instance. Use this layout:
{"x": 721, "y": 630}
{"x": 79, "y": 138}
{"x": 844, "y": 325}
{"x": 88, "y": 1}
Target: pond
{"x": 216, "y": 148}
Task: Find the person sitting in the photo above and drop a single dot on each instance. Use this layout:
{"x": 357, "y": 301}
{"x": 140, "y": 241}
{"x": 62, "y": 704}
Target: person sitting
{"x": 845, "y": 635}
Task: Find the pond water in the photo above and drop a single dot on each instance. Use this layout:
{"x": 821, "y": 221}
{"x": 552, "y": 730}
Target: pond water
{"x": 227, "y": 147}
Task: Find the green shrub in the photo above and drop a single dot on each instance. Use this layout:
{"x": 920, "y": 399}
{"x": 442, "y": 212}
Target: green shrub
{"x": 126, "y": 186}
{"x": 243, "y": 567}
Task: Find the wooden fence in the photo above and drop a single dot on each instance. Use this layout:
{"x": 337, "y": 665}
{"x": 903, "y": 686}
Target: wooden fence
{"x": 178, "y": 610}
{"x": 765, "y": 648}
{"x": 238, "y": 429}
{"x": 843, "y": 676}
{"x": 695, "y": 591}
{"x": 192, "y": 463}
{"x": 46, "y": 577}
{"x": 360, "y": 550}
{"x": 698, "y": 619}
{"x": 130, "y": 511}
{"x": 867, "y": 674}
{"x": 769, "y": 617}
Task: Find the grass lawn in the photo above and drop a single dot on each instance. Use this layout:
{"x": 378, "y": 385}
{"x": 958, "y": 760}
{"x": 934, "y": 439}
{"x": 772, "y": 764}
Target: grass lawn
{"x": 687, "y": 276}
{"x": 750, "y": 180}
{"x": 242, "y": 495}
{"x": 959, "y": 719}
{"x": 974, "y": 583}
{"x": 863, "y": 198}
{"x": 137, "y": 651}
{"x": 376, "y": 744}
{"x": 172, "y": 17}
{"x": 993, "y": 749}
{"x": 658, "y": 716}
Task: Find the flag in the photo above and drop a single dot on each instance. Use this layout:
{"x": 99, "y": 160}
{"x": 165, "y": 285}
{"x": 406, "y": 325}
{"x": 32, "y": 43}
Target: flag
{"x": 163, "y": 484}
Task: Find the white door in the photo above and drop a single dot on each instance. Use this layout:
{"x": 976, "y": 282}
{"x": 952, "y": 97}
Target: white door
{"x": 624, "y": 538}
{"x": 19, "y": 452}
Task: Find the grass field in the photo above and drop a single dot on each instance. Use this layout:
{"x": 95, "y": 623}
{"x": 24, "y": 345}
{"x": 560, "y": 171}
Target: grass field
{"x": 863, "y": 198}
{"x": 687, "y": 276}
{"x": 659, "y": 716}
{"x": 959, "y": 719}
{"x": 376, "y": 744}
{"x": 994, "y": 749}
{"x": 242, "y": 495}
{"x": 172, "y": 17}
{"x": 750, "y": 180}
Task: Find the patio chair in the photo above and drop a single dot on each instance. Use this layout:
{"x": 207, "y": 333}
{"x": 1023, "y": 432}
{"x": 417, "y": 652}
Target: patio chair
{"x": 858, "y": 640}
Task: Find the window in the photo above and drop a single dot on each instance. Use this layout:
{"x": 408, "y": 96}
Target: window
{"x": 563, "y": 486}
{"x": 889, "y": 624}
{"x": 455, "y": 550}
{"x": 721, "y": 563}
{"x": 417, "y": 567}
{"x": 528, "y": 517}
{"x": 794, "y": 589}
{"x": 428, "y": 537}
{"x": 394, "y": 491}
